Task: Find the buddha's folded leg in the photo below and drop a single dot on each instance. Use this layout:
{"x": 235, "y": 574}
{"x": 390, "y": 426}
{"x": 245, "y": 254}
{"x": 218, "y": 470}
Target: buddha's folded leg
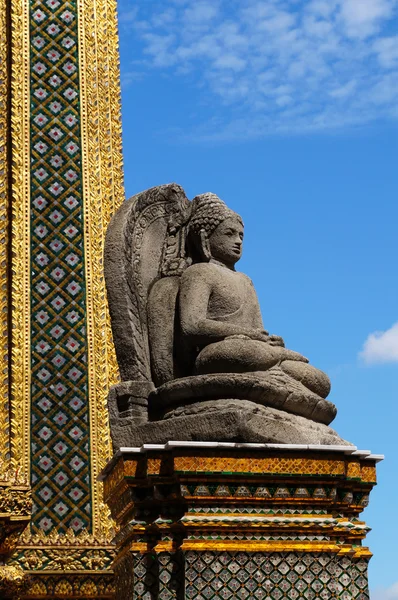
{"x": 315, "y": 380}
{"x": 235, "y": 355}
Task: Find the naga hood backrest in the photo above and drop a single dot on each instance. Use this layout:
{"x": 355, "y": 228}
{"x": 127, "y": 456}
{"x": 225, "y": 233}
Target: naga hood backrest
{"x": 144, "y": 241}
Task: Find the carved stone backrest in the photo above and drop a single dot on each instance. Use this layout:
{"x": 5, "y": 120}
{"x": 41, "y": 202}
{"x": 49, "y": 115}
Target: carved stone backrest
{"x": 144, "y": 241}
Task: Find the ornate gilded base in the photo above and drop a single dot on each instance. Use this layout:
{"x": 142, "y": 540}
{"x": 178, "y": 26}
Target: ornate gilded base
{"x": 66, "y": 566}
{"x": 15, "y": 511}
{"x": 70, "y": 586}
{"x": 207, "y": 520}
{"x": 13, "y": 582}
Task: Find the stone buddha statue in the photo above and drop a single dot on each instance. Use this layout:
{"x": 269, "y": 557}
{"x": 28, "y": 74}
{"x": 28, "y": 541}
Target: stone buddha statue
{"x": 189, "y": 336}
{"x": 218, "y": 306}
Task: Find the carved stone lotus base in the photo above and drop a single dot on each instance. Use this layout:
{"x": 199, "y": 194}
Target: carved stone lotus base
{"x": 273, "y": 388}
{"x": 226, "y": 421}
{"x": 258, "y": 407}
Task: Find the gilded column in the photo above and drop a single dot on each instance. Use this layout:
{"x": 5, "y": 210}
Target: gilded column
{"x": 15, "y": 499}
{"x": 4, "y": 235}
{"x": 66, "y": 182}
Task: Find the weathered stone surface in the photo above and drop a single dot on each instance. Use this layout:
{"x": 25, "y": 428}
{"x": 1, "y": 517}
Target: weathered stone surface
{"x": 129, "y": 399}
{"x": 133, "y": 252}
{"x": 226, "y": 421}
{"x": 188, "y": 324}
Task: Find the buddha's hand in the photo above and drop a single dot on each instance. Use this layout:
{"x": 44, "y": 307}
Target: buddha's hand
{"x": 275, "y": 340}
{"x": 263, "y": 336}
{"x": 260, "y": 335}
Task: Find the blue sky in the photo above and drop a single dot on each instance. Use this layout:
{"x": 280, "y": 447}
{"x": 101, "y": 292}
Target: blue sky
{"x": 288, "y": 110}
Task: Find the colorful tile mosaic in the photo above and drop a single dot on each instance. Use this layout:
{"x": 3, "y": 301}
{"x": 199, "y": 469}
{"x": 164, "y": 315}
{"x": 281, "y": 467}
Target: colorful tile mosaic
{"x": 159, "y": 576}
{"x": 227, "y": 575}
{"x": 274, "y": 576}
{"x": 59, "y": 402}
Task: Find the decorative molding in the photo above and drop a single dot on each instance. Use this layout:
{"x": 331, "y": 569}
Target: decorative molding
{"x": 4, "y": 232}
{"x": 15, "y": 501}
{"x": 84, "y": 539}
{"x": 13, "y": 581}
{"x": 102, "y": 192}
{"x": 20, "y": 196}
{"x": 65, "y": 559}
{"x": 97, "y": 586}
{"x": 15, "y": 511}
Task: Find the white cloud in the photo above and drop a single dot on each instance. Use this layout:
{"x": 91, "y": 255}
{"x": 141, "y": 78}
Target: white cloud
{"x": 345, "y": 90}
{"x": 200, "y": 13}
{"x": 280, "y": 66}
{"x": 129, "y": 16}
{"x": 390, "y": 593}
{"x": 387, "y": 51}
{"x": 382, "y": 347}
{"x": 364, "y": 17}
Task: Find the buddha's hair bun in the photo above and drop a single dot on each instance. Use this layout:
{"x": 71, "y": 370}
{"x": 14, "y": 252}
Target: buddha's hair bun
{"x": 208, "y": 211}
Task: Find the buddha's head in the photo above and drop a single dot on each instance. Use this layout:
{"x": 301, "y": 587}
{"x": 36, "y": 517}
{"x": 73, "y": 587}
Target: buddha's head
{"x": 215, "y": 231}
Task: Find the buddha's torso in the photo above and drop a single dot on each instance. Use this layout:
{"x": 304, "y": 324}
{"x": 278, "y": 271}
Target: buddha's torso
{"x": 233, "y": 298}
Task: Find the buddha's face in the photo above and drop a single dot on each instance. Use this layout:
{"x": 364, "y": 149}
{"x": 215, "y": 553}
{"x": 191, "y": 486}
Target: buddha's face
{"x": 226, "y": 241}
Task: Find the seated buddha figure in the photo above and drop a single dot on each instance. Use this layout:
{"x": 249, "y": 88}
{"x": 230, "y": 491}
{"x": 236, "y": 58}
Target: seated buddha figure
{"x": 220, "y": 317}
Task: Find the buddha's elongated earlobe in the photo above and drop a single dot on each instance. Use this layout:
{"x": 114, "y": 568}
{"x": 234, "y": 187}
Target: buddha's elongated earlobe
{"x": 205, "y": 246}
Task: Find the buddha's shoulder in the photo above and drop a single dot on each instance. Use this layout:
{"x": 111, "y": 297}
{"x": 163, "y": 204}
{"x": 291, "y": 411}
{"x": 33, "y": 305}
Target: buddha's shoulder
{"x": 211, "y": 271}
{"x": 247, "y": 279}
{"x": 200, "y": 270}
{"x": 243, "y": 277}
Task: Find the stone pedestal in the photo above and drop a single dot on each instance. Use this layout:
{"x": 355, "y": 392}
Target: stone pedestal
{"x": 270, "y": 522}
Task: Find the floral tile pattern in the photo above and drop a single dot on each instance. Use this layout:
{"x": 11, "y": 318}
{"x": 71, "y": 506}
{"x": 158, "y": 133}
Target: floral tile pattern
{"x": 59, "y": 400}
{"x": 244, "y": 575}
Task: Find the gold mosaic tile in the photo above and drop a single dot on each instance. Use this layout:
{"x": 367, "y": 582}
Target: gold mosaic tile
{"x": 153, "y": 466}
{"x": 130, "y": 468}
{"x": 270, "y": 465}
{"x": 368, "y": 473}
